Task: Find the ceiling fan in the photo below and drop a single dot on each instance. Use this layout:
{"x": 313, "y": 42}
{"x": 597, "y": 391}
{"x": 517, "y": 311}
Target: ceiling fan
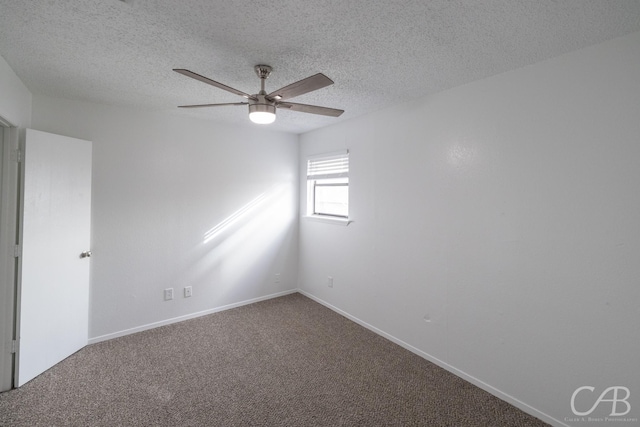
{"x": 262, "y": 106}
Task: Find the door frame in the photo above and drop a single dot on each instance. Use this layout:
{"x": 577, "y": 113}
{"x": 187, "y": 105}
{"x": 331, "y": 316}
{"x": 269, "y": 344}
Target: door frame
{"x": 9, "y": 257}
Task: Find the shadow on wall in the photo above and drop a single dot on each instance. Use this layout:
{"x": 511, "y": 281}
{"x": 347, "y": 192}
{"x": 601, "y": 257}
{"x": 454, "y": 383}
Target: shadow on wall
{"x": 237, "y": 256}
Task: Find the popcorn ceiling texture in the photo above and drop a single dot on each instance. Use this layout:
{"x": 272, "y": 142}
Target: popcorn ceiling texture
{"x": 378, "y": 53}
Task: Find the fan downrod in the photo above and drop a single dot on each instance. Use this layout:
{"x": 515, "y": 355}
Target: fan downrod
{"x": 263, "y": 71}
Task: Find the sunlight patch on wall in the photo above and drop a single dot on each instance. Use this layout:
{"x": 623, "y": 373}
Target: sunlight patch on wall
{"x": 233, "y": 218}
{"x": 236, "y": 258}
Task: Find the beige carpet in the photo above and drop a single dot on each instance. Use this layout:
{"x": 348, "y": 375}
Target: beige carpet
{"x": 288, "y": 361}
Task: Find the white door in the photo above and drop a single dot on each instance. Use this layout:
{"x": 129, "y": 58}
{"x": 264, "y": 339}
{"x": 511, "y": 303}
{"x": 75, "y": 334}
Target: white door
{"x": 54, "y": 285}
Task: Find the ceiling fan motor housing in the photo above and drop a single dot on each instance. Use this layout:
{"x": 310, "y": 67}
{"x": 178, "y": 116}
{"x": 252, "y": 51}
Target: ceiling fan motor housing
{"x": 261, "y": 104}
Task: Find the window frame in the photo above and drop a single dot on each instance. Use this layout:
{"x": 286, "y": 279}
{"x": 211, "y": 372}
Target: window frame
{"x": 323, "y": 170}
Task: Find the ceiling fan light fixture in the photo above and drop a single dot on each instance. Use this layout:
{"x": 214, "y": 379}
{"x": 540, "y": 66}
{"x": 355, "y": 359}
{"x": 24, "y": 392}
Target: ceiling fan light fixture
{"x": 262, "y": 112}
{"x": 262, "y": 117}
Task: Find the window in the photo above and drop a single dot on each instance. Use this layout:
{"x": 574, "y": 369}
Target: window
{"x": 328, "y": 185}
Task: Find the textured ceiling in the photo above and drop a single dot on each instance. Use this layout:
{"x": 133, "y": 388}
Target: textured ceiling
{"x": 378, "y": 53}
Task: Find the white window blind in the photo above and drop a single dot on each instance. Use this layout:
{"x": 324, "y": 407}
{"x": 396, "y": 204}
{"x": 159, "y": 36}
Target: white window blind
{"x": 333, "y": 165}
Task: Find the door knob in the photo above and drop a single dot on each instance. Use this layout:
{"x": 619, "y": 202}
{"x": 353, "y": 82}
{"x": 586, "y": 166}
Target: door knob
{"x": 85, "y": 254}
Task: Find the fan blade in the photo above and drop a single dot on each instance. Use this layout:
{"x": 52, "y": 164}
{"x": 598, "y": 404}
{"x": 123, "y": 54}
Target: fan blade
{"x": 211, "y": 82}
{"x": 301, "y": 87}
{"x": 313, "y": 109}
{"x": 212, "y": 105}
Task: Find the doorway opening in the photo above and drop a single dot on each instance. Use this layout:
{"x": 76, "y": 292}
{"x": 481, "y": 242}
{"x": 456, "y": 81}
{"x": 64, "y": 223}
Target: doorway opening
{"x": 8, "y": 251}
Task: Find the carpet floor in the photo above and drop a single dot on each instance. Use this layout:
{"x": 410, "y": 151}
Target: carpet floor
{"x": 287, "y": 361}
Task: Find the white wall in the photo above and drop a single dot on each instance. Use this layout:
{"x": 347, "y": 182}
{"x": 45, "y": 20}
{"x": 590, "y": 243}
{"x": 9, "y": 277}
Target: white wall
{"x": 496, "y": 228}
{"x": 15, "y": 98}
{"x": 160, "y": 183}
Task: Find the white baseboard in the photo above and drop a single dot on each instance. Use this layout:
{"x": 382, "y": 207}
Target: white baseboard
{"x": 486, "y": 387}
{"x": 186, "y": 317}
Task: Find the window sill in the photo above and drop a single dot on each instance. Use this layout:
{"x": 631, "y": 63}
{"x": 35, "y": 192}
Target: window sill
{"x": 328, "y": 220}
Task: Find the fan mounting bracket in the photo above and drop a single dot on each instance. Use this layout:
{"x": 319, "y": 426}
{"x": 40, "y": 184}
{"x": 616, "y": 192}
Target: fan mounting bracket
{"x": 263, "y": 71}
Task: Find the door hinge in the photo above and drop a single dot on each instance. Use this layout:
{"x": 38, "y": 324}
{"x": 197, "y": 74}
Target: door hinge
{"x": 16, "y": 156}
{"x": 14, "y": 346}
{"x": 16, "y": 251}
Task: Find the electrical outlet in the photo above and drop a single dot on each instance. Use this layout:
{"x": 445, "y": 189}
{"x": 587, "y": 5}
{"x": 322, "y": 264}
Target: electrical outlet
{"x": 188, "y": 291}
{"x": 277, "y": 279}
{"x": 168, "y": 294}
{"x": 330, "y": 282}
